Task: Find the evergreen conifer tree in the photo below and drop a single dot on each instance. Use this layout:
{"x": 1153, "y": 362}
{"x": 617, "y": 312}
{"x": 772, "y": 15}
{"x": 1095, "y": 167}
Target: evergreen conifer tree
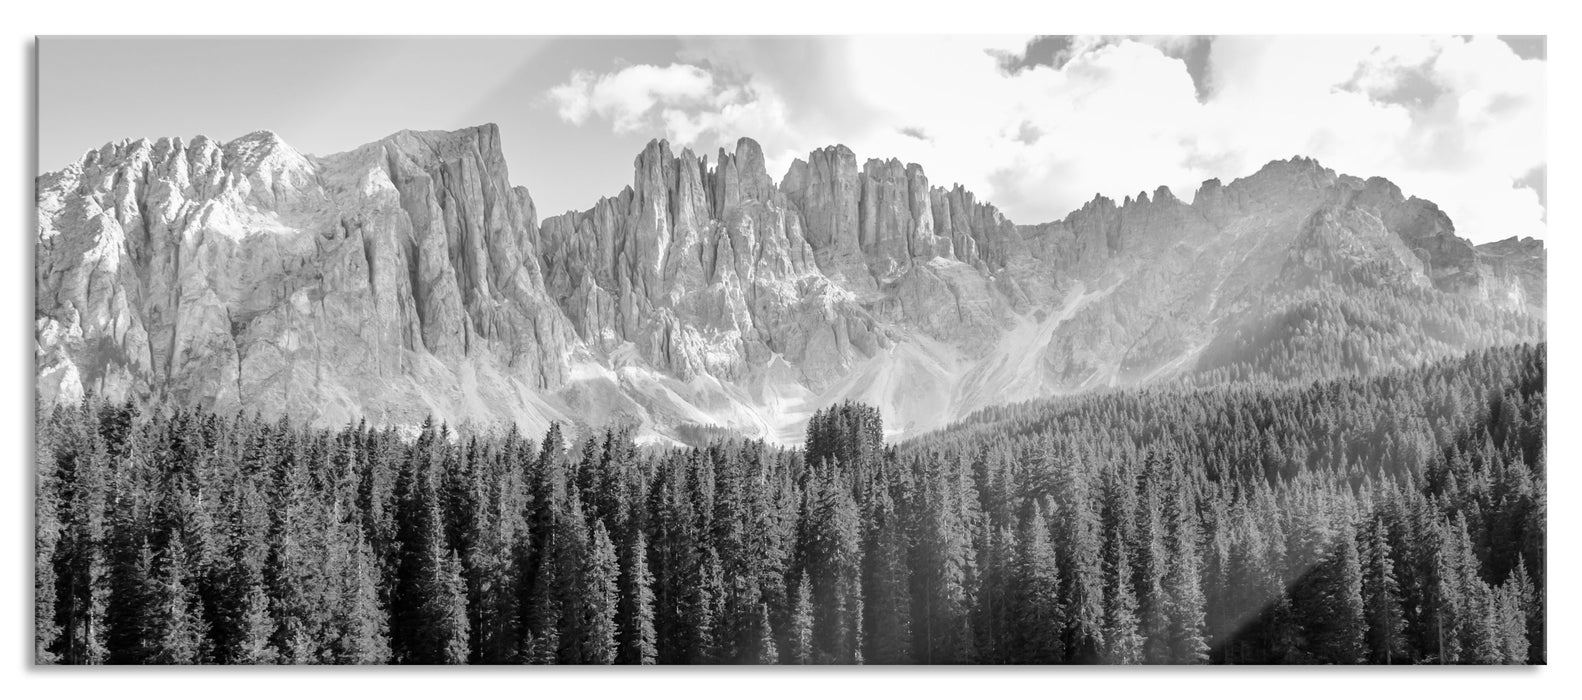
{"x": 1381, "y": 598}
{"x": 637, "y": 629}
{"x": 1036, "y": 618}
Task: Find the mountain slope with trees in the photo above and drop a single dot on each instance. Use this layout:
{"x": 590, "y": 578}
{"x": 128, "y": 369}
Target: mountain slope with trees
{"x": 1391, "y": 519}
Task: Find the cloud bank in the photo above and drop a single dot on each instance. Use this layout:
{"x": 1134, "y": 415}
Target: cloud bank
{"x": 1039, "y": 126}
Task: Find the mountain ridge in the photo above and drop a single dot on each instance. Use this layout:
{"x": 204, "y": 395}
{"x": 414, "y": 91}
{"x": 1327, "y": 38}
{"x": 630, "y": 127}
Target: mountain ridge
{"x": 409, "y": 276}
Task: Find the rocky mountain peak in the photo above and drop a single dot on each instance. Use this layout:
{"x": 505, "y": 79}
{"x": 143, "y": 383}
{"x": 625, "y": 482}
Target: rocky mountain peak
{"x": 1210, "y": 189}
{"x": 1514, "y": 246}
{"x": 409, "y": 277}
{"x": 739, "y": 176}
{"x": 260, "y": 142}
{"x": 1300, "y": 178}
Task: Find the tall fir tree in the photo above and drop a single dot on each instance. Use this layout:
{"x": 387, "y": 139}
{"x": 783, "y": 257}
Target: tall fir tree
{"x": 179, "y": 634}
{"x": 1036, "y": 617}
{"x": 84, "y": 584}
{"x": 46, "y": 537}
{"x": 800, "y": 649}
{"x": 886, "y": 584}
{"x": 638, "y": 639}
{"x": 599, "y": 599}
{"x": 1084, "y": 572}
{"x": 1182, "y": 596}
{"x": 1382, "y": 598}
{"x": 940, "y": 573}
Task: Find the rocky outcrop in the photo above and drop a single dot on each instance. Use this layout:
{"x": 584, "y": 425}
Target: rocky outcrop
{"x": 897, "y": 221}
{"x": 409, "y": 277}
{"x": 706, "y": 271}
{"x": 1450, "y": 260}
{"x": 826, "y": 191}
{"x": 1518, "y": 272}
{"x": 248, "y": 275}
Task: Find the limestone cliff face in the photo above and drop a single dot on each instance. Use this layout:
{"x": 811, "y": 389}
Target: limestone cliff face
{"x": 703, "y": 271}
{"x": 1518, "y": 272}
{"x": 712, "y": 269}
{"x": 1450, "y": 261}
{"x": 826, "y": 190}
{"x": 408, "y": 277}
{"x": 376, "y": 282}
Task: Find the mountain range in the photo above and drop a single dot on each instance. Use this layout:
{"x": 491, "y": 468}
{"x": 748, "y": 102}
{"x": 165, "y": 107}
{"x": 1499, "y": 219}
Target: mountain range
{"x": 408, "y": 277}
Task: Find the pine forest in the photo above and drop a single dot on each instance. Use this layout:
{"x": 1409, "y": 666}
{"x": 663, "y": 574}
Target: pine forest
{"x": 1397, "y": 518}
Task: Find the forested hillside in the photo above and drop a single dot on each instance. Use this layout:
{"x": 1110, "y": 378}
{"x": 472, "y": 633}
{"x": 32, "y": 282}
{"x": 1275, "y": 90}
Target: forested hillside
{"x": 1388, "y": 519}
{"x": 1350, "y": 328}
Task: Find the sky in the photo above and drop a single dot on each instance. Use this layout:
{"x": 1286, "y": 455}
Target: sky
{"x": 1037, "y": 125}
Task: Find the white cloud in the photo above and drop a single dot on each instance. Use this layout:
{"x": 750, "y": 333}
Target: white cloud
{"x": 628, "y": 97}
{"x": 1453, "y": 120}
{"x": 684, "y": 103}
